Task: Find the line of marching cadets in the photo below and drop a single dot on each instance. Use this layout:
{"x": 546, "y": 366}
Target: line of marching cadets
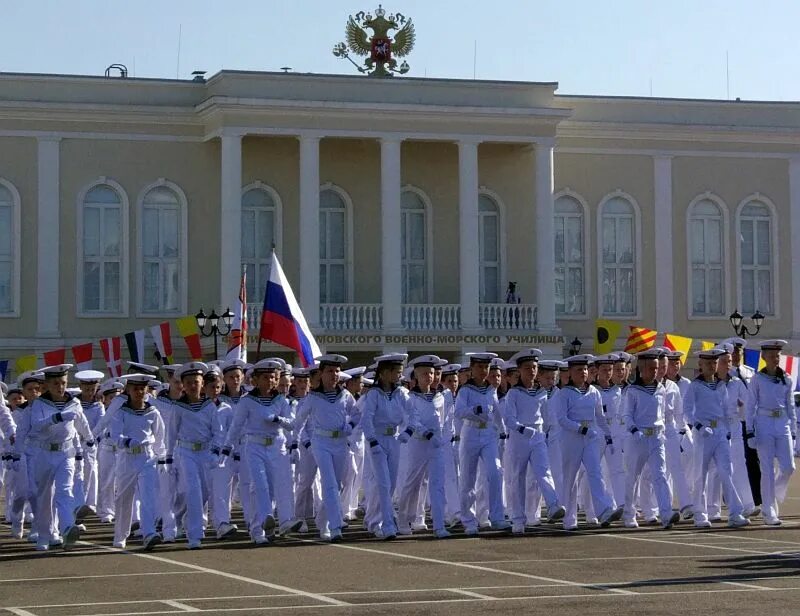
{"x": 484, "y": 445}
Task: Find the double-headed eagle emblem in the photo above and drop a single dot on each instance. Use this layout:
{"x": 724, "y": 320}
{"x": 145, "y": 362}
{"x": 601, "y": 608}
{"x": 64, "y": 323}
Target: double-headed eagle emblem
{"x": 380, "y": 50}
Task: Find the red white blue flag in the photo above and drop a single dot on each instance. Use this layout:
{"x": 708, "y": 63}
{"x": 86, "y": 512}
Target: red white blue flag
{"x": 237, "y": 339}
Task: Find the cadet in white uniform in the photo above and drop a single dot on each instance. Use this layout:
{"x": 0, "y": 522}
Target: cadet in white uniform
{"x": 106, "y": 453}
{"x": 85, "y": 491}
{"x": 771, "y": 424}
{"x": 451, "y": 433}
{"x": 680, "y": 446}
{"x": 355, "y": 444}
{"x": 222, "y": 479}
{"x": 233, "y": 373}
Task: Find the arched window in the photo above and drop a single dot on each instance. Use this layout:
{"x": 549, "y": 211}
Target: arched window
{"x": 102, "y": 247}
{"x": 334, "y": 226}
{"x": 569, "y": 257}
{"x": 618, "y": 256}
{"x": 260, "y": 231}
{"x": 414, "y": 248}
{"x": 9, "y": 237}
{"x": 755, "y": 258}
{"x": 706, "y": 258}
{"x": 163, "y": 247}
{"x": 489, "y": 250}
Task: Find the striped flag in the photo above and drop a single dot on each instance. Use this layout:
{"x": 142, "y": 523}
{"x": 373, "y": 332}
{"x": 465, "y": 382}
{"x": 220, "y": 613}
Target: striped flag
{"x": 162, "y": 336}
{"x": 55, "y": 357}
{"x": 640, "y": 339}
{"x": 678, "y": 343}
{"x": 791, "y": 365}
{"x": 187, "y": 327}
{"x": 237, "y": 339}
{"x": 112, "y": 353}
{"x": 135, "y": 342}
{"x": 82, "y": 356}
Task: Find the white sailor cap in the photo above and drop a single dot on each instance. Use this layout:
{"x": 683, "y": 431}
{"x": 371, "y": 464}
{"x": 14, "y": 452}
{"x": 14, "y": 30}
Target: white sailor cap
{"x": 549, "y": 364}
{"x": 373, "y": 366}
{"x": 579, "y": 360}
{"x": 773, "y": 345}
{"x": 510, "y": 366}
{"x": 344, "y": 377}
{"x": 463, "y": 368}
{"x": 449, "y": 369}
{"x": 727, "y": 347}
{"x": 369, "y": 375}
{"x": 331, "y": 359}
{"x": 480, "y": 358}
{"x": 301, "y": 373}
{"x": 367, "y": 382}
{"x": 563, "y": 365}
{"x": 55, "y": 371}
{"x": 673, "y": 355}
{"x": 192, "y": 368}
{"x": 354, "y": 372}
{"x": 14, "y": 389}
{"x": 136, "y": 378}
{"x": 89, "y": 376}
{"x": 111, "y": 385}
{"x": 233, "y": 364}
{"x": 171, "y": 369}
{"x": 31, "y": 376}
{"x": 608, "y": 358}
{"x": 498, "y": 363}
{"x": 214, "y": 371}
{"x": 392, "y": 359}
{"x": 215, "y": 362}
{"x": 713, "y": 353}
{"x": 154, "y": 384}
{"x": 425, "y": 361}
{"x": 735, "y": 341}
{"x": 625, "y": 356}
{"x": 524, "y": 355}
{"x": 139, "y": 368}
{"x": 278, "y": 360}
{"x": 287, "y": 369}
{"x": 313, "y": 367}
{"x": 652, "y": 353}
{"x": 75, "y": 391}
{"x": 270, "y": 364}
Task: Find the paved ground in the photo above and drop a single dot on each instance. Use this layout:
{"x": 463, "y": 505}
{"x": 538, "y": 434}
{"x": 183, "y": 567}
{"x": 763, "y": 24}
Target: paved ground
{"x": 644, "y": 571}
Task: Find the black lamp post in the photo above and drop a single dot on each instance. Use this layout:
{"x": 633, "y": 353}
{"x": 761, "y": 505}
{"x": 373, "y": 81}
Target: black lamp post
{"x": 213, "y": 321}
{"x": 741, "y": 329}
{"x": 575, "y": 347}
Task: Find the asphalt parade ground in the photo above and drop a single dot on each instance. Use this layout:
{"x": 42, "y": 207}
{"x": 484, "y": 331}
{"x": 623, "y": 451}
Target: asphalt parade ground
{"x": 598, "y": 571}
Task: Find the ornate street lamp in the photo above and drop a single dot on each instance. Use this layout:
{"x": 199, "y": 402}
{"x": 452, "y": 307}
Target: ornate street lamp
{"x": 575, "y": 347}
{"x": 214, "y": 327}
{"x": 737, "y": 322}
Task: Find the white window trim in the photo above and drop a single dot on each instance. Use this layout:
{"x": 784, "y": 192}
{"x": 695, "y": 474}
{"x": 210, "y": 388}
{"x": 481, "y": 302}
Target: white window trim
{"x": 758, "y": 197}
{"x": 501, "y": 231}
{"x": 124, "y": 250}
{"x": 184, "y": 261}
{"x": 426, "y": 202}
{"x": 348, "y": 225}
{"x": 637, "y": 229}
{"x": 16, "y": 250}
{"x": 587, "y": 308}
{"x": 726, "y": 270}
{"x": 278, "y": 221}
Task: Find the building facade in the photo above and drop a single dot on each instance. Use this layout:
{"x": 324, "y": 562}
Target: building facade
{"x": 400, "y": 208}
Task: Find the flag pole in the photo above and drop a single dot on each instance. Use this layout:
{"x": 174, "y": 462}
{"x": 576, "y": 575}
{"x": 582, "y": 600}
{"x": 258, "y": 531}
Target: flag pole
{"x": 258, "y": 347}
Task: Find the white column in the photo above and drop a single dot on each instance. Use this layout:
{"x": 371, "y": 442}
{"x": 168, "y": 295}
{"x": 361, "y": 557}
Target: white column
{"x": 545, "y": 229}
{"x": 662, "y": 185}
{"x": 794, "y": 218}
{"x": 391, "y": 291}
{"x": 230, "y": 227}
{"x": 47, "y": 251}
{"x": 309, "y": 228}
{"x": 469, "y": 236}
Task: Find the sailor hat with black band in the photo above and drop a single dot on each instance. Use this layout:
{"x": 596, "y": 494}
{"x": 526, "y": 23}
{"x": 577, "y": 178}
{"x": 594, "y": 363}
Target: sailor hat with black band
{"x": 549, "y": 365}
{"x": 563, "y": 365}
{"x": 111, "y": 385}
{"x": 673, "y": 355}
{"x": 498, "y": 363}
{"x": 464, "y": 368}
{"x": 713, "y": 353}
{"x": 301, "y": 373}
{"x": 55, "y": 371}
{"x": 773, "y": 345}
{"x": 213, "y": 372}
{"x": 14, "y": 389}
{"x": 727, "y": 347}
{"x": 73, "y": 391}
{"x": 139, "y": 368}
{"x": 408, "y": 373}
{"x": 278, "y": 360}
{"x": 625, "y": 356}
{"x": 735, "y": 341}
{"x": 344, "y": 377}
{"x": 171, "y": 369}
{"x": 579, "y": 360}
{"x": 529, "y": 354}
{"x": 442, "y": 363}
{"x": 233, "y": 364}
{"x": 510, "y": 366}
{"x": 449, "y": 369}
{"x": 215, "y": 362}
{"x": 369, "y": 375}
{"x": 331, "y": 359}
{"x": 89, "y": 376}
{"x": 358, "y": 371}
{"x": 31, "y": 376}
{"x": 287, "y": 370}
{"x": 135, "y": 378}
{"x": 313, "y": 368}
{"x": 652, "y": 353}
{"x": 425, "y": 361}
{"x": 608, "y": 358}
{"x": 391, "y": 359}
{"x": 192, "y": 368}
{"x": 270, "y": 364}
{"x": 155, "y": 384}
{"x": 480, "y": 358}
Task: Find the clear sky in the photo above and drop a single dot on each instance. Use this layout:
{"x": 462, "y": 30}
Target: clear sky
{"x": 620, "y": 47}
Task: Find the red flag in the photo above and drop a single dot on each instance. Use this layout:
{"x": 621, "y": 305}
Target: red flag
{"x": 55, "y": 357}
{"x": 112, "y": 353}
{"x": 188, "y": 328}
{"x": 163, "y": 341}
{"x": 237, "y": 340}
{"x": 82, "y": 355}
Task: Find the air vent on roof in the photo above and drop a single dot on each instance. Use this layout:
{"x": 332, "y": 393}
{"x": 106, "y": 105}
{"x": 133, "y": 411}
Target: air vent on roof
{"x": 199, "y": 76}
{"x": 122, "y": 71}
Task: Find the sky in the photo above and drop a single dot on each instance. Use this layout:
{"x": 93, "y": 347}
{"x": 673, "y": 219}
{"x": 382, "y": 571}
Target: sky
{"x": 675, "y": 48}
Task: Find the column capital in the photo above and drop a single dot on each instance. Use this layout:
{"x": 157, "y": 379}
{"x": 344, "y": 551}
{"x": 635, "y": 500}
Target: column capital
{"x": 229, "y": 132}
{"x": 469, "y": 141}
{"x": 391, "y": 139}
{"x": 544, "y": 142}
{"x": 309, "y": 137}
{"x": 49, "y": 138}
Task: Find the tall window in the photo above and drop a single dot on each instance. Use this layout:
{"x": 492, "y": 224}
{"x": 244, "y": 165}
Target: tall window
{"x": 8, "y": 237}
{"x": 618, "y": 257}
{"x": 569, "y": 286}
{"x": 755, "y": 254}
{"x": 705, "y": 237}
{"x": 489, "y": 250}
{"x": 414, "y": 248}
{"x": 259, "y": 216}
{"x": 333, "y": 224}
{"x": 102, "y": 250}
{"x": 161, "y": 251}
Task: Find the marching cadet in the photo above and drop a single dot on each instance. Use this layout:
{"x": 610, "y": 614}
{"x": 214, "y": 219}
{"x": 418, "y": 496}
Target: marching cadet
{"x": 329, "y": 410}
{"x": 260, "y": 420}
{"x": 563, "y": 374}
{"x": 85, "y": 490}
{"x": 222, "y": 479}
{"x": 355, "y": 443}
{"x": 106, "y": 453}
{"x": 706, "y": 408}
{"x": 611, "y": 394}
{"x": 138, "y": 430}
{"x": 451, "y": 433}
{"x": 771, "y": 423}
{"x": 56, "y": 420}
{"x": 644, "y": 413}
{"x": 307, "y": 497}
{"x": 579, "y": 409}
{"x": 385, "y": 407}
{"x": 463, "y": 375}
{"x": 190, "y": 437}
{"x": 527, "y": 448}
{"x": 171, "y": 499}
{"x": 680, "y": 465}
{"x": 546, "y": 376}
{"x": 477, "y": 406}
{"x": 233, "y": 374}
{"x": 425, "y": 450}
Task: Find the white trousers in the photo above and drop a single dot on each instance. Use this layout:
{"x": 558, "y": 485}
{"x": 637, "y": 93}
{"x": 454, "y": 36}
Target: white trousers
{"x": 424, "y": 459}
{"x": 106, "y": 474}
{"x": 269, "y": 466}
{"x": 774, "y": 443}
{"x": 648, "y": 450}
{"x": 707, "y": 448}
{"x": 331, "y": 456}
{"x": 384, "y": 462}
{"x": 576, "y": 450}
{"x": 193, "y": 471}
{"x": 528, "y": 458}
{"x": 54, "y": 472}
{"x": 479, "y": 445}
{"x": 135, "y": 473}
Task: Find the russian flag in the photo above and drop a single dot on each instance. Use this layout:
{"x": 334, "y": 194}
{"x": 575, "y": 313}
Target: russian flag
{"x": 282, "y": 321}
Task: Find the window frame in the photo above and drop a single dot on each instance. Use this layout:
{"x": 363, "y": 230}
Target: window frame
{"x": 568, "y": 192}
{"x": 183, "y": 206}
{"x": 502, "y": 280}
{"x": 348, "y": 228}
{"x": 124, "y": 252}
{"x": 428, "y": 211}
{"x": 16, "y": 249}
{"x": 277, "y": 222}
{"x": 726, "y": 273}
{"x": 759, "y": 198}
{"x": 637, "y": 246}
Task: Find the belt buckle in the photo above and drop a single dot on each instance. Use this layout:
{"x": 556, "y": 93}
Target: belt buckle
{"x": 649, "y": 431}
{"x": 775, "y": 413}
{"x": 268, "y": 441}
{"x": 137, "y": 449}
{"x": 335, "y": 433}
{"x": 712, "y": 423}
{"x": 584, "y": 423}
{"x": 481, "y": 425}
{"x": 55, "y": 447}
{"x": 389, "y": 431}
{"x": 197, "y": 446}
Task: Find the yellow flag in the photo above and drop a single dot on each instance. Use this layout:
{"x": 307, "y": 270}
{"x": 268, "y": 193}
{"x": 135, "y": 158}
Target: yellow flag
{"x": 25, "y": 363}
{"x": 605, "y": 335}
{"x": 705, "y": 345}
{"x": 678, "y": 343}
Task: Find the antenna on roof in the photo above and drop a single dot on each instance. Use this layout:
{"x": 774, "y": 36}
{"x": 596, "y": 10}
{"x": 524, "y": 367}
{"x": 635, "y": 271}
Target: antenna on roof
{"x": 178, "y": 68}
{"x": 728, "y": 74}
{"x": 123, "y": 70}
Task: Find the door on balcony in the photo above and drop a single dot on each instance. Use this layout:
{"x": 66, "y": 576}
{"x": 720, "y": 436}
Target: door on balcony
{"x": 334, "y": 227}
{"x": 259, "y": 233}
{"x": 414, "y": 248}
{"x": 489, "y": 250}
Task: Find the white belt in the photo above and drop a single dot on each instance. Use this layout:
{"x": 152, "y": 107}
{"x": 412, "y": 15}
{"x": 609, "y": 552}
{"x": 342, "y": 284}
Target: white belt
{"x": 136, "y": 449}
{"x": 652, "y": 431}
{"x": 329, "y": 433}
{"x": 477, "y": 423}
{"x": 771, "y": 413}
{"x": 262, "y": 440}
{"x": 48, "y": 446}
{"x": 193, "y": 445}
